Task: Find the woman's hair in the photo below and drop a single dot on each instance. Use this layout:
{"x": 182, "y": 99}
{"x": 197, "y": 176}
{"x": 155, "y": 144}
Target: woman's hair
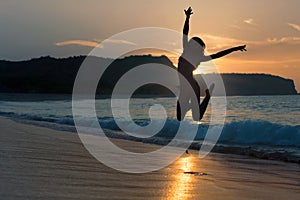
{"x": 199, "y": 41}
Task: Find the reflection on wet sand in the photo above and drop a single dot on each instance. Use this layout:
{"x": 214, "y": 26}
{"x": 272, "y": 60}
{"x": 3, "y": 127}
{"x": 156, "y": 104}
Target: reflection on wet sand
{"x": 184, "y": 182}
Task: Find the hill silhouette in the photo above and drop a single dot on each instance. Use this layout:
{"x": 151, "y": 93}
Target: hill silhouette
{"x": 57, "y": 75}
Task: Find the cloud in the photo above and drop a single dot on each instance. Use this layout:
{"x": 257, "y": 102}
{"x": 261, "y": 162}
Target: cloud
{"x": 94, "y": 43}
{"x": 86, "y": 43}
{"x": 249, "y": 21}
{"x": 294, "y": 26}
{"x": 243, "y": 24}
{"x": 290, "y": 40}
{"x": 114, "y": 41}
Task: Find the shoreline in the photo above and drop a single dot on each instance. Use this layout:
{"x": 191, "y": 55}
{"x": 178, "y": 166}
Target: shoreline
{"x": 222, "y": 148}
{"x": 37, "y": 162}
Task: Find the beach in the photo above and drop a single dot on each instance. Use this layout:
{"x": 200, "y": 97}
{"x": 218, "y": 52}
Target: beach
{"x": 41, "y": 163}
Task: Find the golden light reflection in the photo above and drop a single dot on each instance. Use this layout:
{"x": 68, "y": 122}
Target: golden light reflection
{"x": 183, "y": 183}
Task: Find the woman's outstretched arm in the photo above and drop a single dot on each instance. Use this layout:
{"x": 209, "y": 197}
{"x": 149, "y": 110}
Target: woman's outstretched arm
{"x": 186, "y": 27}
{"x": 224, "y": 53}
{"x": 228, "y": 51}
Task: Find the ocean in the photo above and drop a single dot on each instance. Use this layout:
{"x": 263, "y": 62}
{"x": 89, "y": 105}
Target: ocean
{"x": 266, "y": 127}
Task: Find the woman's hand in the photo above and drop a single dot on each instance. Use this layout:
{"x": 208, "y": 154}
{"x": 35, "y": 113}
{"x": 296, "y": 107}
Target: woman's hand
{"x": 241, "y": 48}
{"x": 188, "y": 12}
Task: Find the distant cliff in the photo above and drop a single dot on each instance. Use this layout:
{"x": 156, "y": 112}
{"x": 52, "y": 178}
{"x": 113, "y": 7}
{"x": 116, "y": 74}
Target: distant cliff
{"x": 254, "y": 84}
{"x": 52, "y": 75}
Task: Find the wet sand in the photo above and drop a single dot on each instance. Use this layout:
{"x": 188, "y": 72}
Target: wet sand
{"x": 40, "y": 163}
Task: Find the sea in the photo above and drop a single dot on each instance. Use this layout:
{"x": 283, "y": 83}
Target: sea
{"x": 265, "y": 127}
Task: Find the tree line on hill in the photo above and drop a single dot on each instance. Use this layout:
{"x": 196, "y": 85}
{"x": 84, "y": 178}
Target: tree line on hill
{"x": 57, "y": 75}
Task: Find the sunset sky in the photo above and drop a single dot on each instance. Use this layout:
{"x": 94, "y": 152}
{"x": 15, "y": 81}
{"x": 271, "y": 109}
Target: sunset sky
{"x": 60, "y": 28}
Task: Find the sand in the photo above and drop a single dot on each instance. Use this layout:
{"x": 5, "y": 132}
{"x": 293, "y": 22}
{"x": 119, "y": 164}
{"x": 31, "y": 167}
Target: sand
{"x": 40, "y": 163}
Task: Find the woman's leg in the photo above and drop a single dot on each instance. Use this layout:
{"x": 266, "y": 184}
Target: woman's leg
{"x": 205, "y": 101}
{"x": 195, "y": 102}
{"x": 183, "y": 106}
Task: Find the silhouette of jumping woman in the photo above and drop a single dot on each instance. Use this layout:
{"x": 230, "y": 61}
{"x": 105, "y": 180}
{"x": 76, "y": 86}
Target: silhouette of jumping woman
{"x": 192, "y": 56}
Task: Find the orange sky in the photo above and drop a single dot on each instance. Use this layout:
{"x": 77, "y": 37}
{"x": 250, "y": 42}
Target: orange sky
{"x": 269, "y": 28}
